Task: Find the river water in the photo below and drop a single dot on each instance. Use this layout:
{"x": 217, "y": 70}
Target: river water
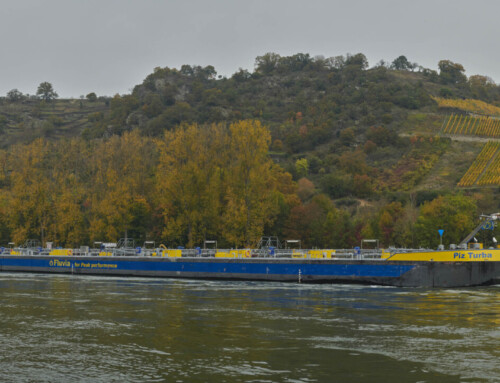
{"x": 56, "y": 328}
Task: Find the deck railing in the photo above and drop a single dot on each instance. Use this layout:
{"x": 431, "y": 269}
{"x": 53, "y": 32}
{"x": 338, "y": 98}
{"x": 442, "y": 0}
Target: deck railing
{"x": 316, "y": 254}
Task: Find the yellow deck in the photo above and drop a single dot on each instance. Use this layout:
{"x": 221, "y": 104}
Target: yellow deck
{"x": 488, "y": 255}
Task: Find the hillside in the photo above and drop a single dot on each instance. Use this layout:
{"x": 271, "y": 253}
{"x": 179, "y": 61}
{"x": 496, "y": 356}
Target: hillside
{"x": 371, "y": 146}
{"x": 25, "y": 120}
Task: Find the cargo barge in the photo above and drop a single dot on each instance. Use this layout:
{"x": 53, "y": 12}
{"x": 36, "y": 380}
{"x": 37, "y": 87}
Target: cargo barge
{"x": 458, "y": 267}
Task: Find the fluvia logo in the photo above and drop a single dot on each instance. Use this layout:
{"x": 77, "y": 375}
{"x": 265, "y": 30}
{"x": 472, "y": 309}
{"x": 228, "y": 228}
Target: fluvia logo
{"x": 59, "y": 263}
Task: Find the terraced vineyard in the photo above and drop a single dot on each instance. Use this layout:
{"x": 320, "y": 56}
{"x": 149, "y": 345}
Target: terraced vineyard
{"x": 491, "y": 176}
{"x": 485, "y": 170}
{"x": 29, "y": 119}
{"x": 468, "y": 105}
{"x": 460, "y": 124}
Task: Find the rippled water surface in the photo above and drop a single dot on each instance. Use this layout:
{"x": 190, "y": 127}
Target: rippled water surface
{"x": 88, "y": 329}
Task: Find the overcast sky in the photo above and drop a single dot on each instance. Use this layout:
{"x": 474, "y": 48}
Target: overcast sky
{"x": 108, "y": 46}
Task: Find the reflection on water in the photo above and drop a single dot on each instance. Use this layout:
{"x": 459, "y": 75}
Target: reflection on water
{"x": 85, "y": 329}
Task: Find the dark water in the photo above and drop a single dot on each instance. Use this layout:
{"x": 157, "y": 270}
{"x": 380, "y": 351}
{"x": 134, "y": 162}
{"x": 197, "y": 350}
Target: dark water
{"x": 87, "y": 329}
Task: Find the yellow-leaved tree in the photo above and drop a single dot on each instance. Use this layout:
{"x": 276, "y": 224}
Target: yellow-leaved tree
{"x": 218, "y": 182}
{"x": 69, "y": 226}
{"x": 4, "y": 228}
{"x": 120, "y": 172}
{"x": 31, "y": 195}
{"x": 190, "y": 183}
{"x": 251, "y": 182}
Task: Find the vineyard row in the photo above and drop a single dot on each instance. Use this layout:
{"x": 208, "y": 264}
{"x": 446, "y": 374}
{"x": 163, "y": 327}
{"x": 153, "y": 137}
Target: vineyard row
{"x": 479, "y": 172}
{"x": 473, "y": 126}
{"x": 468, "y": 105}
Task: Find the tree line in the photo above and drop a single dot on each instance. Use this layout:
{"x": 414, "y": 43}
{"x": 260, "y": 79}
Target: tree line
{"x": 194, "y": 183}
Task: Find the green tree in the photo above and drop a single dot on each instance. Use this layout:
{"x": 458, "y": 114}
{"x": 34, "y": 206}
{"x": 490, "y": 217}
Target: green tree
{"x": 451, "y": 73}
{"x": 389, "y": 225}
{"x": 381, "y": 136}
{"x": 92, "y": 97}
{"x": 453, "y": 214}
{"x": 3, "y": 123}
{"x": 15, "y": 95}
{"x": 153, "y": 105}
{"x": 46, "y": 92}
{"x": 294, "y": 63}
{"x": 347, "y": 136}
{"x": 353, "y": 162}
{"x": 302, "y": 167}
{"x": 267, "y": 63}
{"x": 319, "y": 224}
{"x": 337, "y": 185}
{"x": 358, "y": 60}
{"x": 482, "y": 87}
{"x": 401, "y": 63}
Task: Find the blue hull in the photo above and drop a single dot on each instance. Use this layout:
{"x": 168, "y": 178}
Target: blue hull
{"x": 395, "y": 273}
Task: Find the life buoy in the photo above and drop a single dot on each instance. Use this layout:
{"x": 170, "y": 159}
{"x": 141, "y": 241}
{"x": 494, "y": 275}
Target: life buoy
{"x": 163, "y": 246}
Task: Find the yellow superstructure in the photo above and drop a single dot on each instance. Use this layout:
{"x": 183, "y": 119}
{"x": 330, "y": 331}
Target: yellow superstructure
{"x": 172, "y": 253}
{"x": 105, "y": 253}
{"x": 313, "y": 254}
{"x": 60, "y": 252}
{"x": 321, "y": 254}
{"x": 385, "y": 254}
{"x": 487, "y": 255}
{"x": 239, "y": 253}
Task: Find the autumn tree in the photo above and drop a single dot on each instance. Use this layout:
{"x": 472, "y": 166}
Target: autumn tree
{"x": 381, "y": 136}
{"x": 388, "y": 224}
{"x": 121, "y": 176}
{"x": 353, "y": 162}
{"x": 482, "y": 87}
{"x": 319, "y": 223}
{"x": 453, "y": 214}
{"x": 4, "y": 226}
{"x": 305, "y": 189}
{"x": 218, "y": 181}
{"x": 253, "y": 183}
{"x": 190, "y": 187}
{"x": 70, "y": 216}
{"x": 31, "y": 197}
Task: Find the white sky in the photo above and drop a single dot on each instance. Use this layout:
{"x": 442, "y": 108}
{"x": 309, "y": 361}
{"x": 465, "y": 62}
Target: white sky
{"x": 109, "y": 46}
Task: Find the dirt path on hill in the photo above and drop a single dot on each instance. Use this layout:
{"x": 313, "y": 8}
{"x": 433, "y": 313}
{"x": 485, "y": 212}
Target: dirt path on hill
{"x": 469, "y": 138}
{"x": 460, "y": 138}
